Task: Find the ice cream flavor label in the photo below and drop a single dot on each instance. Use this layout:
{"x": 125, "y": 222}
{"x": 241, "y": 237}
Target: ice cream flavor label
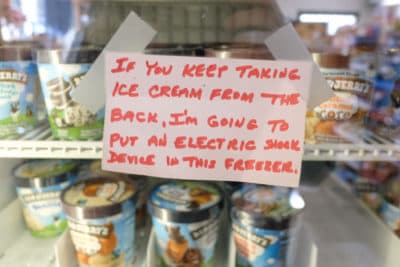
{"x": 190, "y": 244}
{"x": 44, "y": 168}
{"x": 18, "y": 97}
{"x": 185, "y": 196}
{"x": 42, "y": 209}
{"x": 341, "y": 107}
{"x": 106, "y": 242}
{"x": 68, "y": 118}
{"x": 259, "y": 247}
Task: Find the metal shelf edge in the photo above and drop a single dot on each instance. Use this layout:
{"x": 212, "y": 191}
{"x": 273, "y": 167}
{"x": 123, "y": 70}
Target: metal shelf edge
{"x": 93, "y": 150}
{"x": 51, "y": 149}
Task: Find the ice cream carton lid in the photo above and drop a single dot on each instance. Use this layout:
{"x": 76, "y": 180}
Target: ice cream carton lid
{"x": 266, "y": 206}
{"x": 40, "y": 173}
{"x": 185, "y": 201}
{"x": 238, "y": 50}
{"x": 73, "y": 56}
{"x": 98, "y": 197}
{"x": 173, "y": 49}
{"x": 94, "y": 169}
{"x": 330, "y": 60}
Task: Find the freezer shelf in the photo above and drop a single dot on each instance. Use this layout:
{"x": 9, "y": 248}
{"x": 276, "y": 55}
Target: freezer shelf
{"x": 335, "y": 230}
{"x": 19, "y": 249}
{"x": 344, "y": 231}
{"x": 40, "y": 144}
{"x": 39, "y": 254}
{"x": 93, "y": 150}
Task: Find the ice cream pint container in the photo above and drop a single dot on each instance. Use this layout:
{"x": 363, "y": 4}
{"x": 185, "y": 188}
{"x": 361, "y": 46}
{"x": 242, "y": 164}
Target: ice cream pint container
{"x": 19, "y": 91}
{"x": 350, "y": 104}
{"x": 93, "y": 168}
{"x": 390, "y": 210}
{"x": 185, "y": 218}
{"x": 101, "y": 221}
{"x": 39, "y": 186}
{"x": 262, "y": 218}
{"x": 60, "y": 74}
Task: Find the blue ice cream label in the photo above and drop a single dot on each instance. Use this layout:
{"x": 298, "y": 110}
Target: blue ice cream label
{"x": 42, "y": 209}
{"x": 68, "y": 118}
{"x": 257, "y": 247}
{"x": 106, "y": 242}
{"x": 391, "y": 216}
{"x": 186, "y": 244}
{"x": 19, "y": 94}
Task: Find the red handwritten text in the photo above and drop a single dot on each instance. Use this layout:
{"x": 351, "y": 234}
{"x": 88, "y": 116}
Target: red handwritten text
{"x": 123, "y": 65}
{"x": 230, "y": 94}
{"x": 147, "y": 160}
{"x": 156, "y": 69}
{"x": 196, "y": 162}
{"x": 250, "y": 124}
{"x": 207, "y": 143}
{"x": 157, "y": 91}
{"x": 123, "y": 140}
{"x": 139, "y": 116}
{"x": 182, "y": 118}
{"x": 249, "y": 71}
{"x": 203, "y": 70}
{"x": 123, "y": 90}
{"x": 282, "y": 125}
{"x": 259, "y": 165}
{"x": 282, "y": 145}
{"x": 284, "y": 99}
{"x": 157, "y": 141}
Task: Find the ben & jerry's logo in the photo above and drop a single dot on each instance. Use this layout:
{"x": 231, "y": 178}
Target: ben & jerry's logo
{"x": 262, "y": 241}
{"x": 95, "y": 230}
{"x": 204, "y": 230}
{"x": 43, "y": 196}
{"x": 348, "y": 84}
{"x": 13, "y": 76}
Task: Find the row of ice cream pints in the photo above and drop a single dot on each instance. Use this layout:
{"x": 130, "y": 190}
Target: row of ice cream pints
{"x": 377, "y": 184}
{"x": 61, "y": 71}
{"x": 31, "y": 90}
{"x": 101, "y": 210}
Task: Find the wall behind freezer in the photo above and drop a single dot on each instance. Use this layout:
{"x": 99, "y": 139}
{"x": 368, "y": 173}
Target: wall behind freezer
{"x": 291, "y": 8}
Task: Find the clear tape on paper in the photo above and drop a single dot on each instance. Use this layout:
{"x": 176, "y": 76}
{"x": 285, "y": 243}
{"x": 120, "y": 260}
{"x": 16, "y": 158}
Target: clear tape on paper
{"x": 132, "y": 36}
{"x": 285, "y": 44}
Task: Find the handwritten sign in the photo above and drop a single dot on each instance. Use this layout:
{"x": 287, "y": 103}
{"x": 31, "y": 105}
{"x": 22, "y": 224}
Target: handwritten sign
{"x": 205, "y": 118}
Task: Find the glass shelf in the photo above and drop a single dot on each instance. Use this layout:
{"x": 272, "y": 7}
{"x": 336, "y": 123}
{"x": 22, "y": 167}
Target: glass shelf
{"x": 40, "y": 144}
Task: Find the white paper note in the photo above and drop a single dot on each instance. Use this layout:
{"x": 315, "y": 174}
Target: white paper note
{"x": 205, "y": 118}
